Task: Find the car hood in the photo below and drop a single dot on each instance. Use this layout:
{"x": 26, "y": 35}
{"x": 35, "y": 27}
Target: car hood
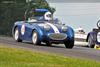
{"x": 56, "y": 27}
{"x": 52, "y": 25}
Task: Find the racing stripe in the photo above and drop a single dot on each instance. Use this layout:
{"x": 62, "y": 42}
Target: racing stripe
{"x": 54, "y": 28}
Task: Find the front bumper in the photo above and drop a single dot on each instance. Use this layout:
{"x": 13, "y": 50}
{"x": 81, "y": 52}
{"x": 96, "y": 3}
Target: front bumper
{"x": 57, "y": 38}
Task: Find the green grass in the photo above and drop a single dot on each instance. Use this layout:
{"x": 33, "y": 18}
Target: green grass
{"x": 11, "y": 57}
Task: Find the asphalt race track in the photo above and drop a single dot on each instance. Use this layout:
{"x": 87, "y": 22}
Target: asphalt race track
{"x": 77, "y": 51}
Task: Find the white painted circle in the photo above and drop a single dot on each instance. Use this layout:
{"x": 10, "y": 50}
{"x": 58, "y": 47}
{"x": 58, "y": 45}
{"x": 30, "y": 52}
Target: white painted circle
{"x": 98, "y": 37}
{"x": 34, "y": 38}
{"x": 16, "y": 34}
{"x": 23, "y": 29}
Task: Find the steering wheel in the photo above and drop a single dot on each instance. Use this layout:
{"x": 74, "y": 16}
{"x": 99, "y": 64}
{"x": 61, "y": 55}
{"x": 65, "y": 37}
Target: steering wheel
{"x": 98, "y": 24}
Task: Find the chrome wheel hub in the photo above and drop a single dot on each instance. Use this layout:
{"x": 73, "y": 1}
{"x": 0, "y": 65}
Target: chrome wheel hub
{"x": 16, "y": 34}
{"x": 34, "y": 38}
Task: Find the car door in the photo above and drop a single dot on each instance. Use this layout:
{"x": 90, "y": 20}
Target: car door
{"x": 28, "y": 30}
{"x": 23, "y": 31}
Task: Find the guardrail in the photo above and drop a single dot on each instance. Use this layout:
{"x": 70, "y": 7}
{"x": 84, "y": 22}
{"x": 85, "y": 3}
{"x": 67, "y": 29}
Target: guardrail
{"x": 82, "y": 36}
{"x": 80, "y": 39}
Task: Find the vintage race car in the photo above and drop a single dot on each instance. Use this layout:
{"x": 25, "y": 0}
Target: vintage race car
{"x": 93, "y": 37}
{"x": 43, "y": 28}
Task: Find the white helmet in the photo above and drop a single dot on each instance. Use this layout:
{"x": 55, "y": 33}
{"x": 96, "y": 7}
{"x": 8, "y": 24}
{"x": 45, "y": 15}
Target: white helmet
{"x": 48, "y": 16}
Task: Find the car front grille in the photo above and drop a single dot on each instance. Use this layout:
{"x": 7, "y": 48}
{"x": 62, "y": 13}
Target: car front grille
{"x": 57, "y": 36}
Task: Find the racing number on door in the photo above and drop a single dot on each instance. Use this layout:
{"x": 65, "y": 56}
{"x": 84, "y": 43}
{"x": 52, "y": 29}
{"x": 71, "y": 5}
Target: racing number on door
{"x": 23, "y": 29}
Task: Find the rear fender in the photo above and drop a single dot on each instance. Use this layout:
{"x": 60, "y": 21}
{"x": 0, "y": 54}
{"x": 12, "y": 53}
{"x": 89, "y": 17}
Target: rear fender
{"x": 13, "y": 29}
{"x": 17, "y": 24}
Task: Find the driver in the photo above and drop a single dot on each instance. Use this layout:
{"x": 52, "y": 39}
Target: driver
{"x": 48, "y": 16}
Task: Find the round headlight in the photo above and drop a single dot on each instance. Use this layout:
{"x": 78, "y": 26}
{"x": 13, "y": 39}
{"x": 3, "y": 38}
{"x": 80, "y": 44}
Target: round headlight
{"x": 64, "y": 28}
{"x": 46, "y": 27}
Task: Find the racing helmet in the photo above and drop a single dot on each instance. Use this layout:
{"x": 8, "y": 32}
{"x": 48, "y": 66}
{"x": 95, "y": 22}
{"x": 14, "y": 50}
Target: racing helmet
{"x": 48, "y": 16}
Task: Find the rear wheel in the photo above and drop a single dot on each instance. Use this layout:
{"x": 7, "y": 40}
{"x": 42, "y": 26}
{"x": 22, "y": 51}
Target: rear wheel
{"x": 16, "y": 35}
{"x": 35, "y": 38}
{"x": 90, "y": 41}
{"x": 69, "y": 44}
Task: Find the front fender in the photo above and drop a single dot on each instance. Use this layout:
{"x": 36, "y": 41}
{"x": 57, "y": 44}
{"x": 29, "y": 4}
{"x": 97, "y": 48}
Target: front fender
{"x": 70, "y": 33}
{"x": 40, "y": 32}
{"x": 87, "y": 37}
{"x": 93, "y": 34}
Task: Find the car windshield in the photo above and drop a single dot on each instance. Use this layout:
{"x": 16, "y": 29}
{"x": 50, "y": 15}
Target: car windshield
{"x": 39, "y": 13}
{"x": 57, "y": 21}
{"x": 40, "y": 19}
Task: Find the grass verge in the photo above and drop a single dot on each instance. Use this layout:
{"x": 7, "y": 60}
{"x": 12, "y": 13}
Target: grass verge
{"x": 11, "y": 57}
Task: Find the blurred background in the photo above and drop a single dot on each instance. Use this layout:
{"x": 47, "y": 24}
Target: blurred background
{"x": 76, "y": 13}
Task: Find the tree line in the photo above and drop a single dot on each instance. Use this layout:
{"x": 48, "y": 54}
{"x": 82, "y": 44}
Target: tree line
{"x": 13, "y": 10}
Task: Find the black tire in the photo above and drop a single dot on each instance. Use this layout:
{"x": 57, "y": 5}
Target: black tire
{"x": 69, "y": 44}
{"x": 90, "y": 41}
{"x": 48, "y": 44}
{"x": 35, "y": 38}
{"x": 16, "y": 35}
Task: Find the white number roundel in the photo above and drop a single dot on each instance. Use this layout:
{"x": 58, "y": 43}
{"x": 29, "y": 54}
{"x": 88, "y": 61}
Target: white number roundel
{"x": 23, "y": 29}
{"x": 47, "y": 16}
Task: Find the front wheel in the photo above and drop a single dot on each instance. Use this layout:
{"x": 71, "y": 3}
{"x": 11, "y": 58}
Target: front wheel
{"x": 48, "y": 44}
{"x": 90, "y": 41}
{"x": 35, "y": 38}
{"x": 69, "y": 44}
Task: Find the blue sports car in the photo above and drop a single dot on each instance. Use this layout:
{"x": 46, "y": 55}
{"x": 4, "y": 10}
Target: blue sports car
{"x": 42, "y": 27}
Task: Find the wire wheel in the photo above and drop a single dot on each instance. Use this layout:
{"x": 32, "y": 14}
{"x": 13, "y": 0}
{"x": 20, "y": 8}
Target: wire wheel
{"x": 35, "y": 38}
